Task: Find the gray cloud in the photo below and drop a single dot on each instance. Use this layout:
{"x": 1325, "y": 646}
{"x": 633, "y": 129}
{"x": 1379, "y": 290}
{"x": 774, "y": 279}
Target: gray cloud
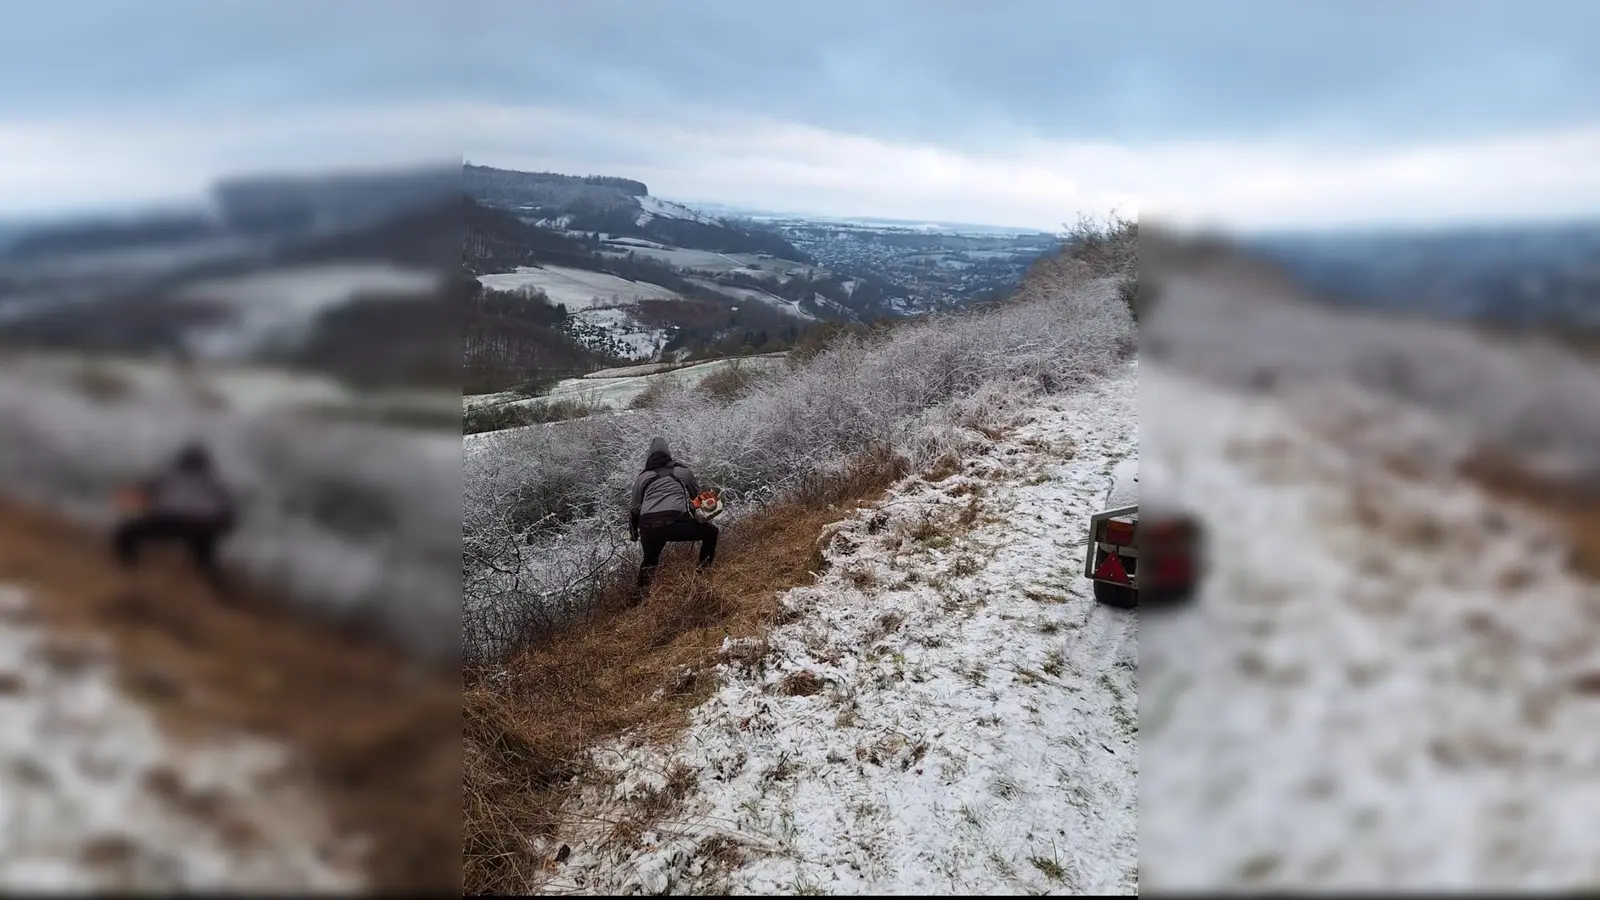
{"x": 955, "y": 97}
{"x": 79, "y": 58}
{"x": 955, "y": 71}
{"x": 949, "y": 71}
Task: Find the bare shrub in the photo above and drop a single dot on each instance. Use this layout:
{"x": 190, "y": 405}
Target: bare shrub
{"x": 653, "y": 395}
{"x": 731, "y": 382}
{"x": 498, "y": 417}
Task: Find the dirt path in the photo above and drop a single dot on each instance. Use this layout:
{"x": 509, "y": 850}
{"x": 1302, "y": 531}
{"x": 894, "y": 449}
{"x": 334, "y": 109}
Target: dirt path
{"x": 365, "y": 794}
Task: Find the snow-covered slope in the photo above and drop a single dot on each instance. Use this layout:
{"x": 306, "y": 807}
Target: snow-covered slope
{"x": 93, "y": 796}
{"x": 601, "y": 306}
{"x": 618, "y": 391}
{"x": 1389, "y": 679}
{"x": 577, "y": 289}
{"x": 944, "y": 716}
{"x": 279, "y": 305}
{"x": 654, "y": 206}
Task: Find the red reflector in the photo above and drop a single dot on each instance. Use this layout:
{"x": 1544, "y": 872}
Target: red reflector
{"x": 1173, "y": 570}
{"x": 1119, "y": 532}
{"x": 1111, "y": 569}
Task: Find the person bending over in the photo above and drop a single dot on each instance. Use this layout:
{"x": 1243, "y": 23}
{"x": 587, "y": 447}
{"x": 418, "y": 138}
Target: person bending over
{"x": 184, "y": 503}
{"x": 662, "y": 513}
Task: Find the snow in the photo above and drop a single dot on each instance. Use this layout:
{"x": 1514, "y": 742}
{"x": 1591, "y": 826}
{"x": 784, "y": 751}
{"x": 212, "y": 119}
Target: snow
{"x": 76, "y": 766}
{"x": 655, "y": 206}
{"x": 1378, "y": 687}
{"x": 975, "y": 730}
{"x": 578, "y": 289}
{"x": 280, "y": 302}
{"x": 706, "y": 260}
{"x": 1124, "y": 489}
{"x": 630, "y": 339}
{"x": 618, "y": 390}
{"x": 636, "y": 242}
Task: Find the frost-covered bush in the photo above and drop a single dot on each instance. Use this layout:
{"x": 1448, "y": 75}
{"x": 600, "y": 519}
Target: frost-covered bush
{"x": 351, "y": 521}
{"x": 545, "y": 507}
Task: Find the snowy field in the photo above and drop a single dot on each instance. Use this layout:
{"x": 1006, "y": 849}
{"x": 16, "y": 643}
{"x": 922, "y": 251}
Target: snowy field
{"x": 705, "y": 260}
{"x": 92, "y": 793}
{"x": 951, "y": 716}
{"x": 1389, "y": 683}
{"x": 618, "y": 391}
{"x": 627, "y": 241}
{"x": 278, "y": 303}
{"x": 712, "y": 261}
{"x": 666, "y": 209}
{"x": 578, "y": 289}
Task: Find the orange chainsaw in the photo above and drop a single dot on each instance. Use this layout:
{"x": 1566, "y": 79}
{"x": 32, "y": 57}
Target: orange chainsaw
{"x": 707, "y": 506}
{"x": 130, "y": 500}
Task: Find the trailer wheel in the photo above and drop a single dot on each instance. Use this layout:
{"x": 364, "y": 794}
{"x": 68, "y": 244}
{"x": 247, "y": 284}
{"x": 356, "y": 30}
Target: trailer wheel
{"x": 1116, "y": 595}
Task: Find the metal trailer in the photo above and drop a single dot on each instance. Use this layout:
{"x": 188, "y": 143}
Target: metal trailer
{"x": 1113, "y": 565}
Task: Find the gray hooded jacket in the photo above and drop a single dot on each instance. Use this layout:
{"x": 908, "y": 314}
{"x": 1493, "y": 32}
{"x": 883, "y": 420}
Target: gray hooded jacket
{"x": 189, "y": 489}
{"x": 663, "y": 490}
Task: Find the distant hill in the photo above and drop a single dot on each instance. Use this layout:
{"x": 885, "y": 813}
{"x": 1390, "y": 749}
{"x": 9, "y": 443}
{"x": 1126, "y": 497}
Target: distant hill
{"x": 614, "y": 206}
{"x": 1531, "y": 275}
{"x": 494, "y": 240}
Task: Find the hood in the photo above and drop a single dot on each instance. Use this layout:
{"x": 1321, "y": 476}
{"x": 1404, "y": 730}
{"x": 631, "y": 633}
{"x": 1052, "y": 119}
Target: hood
{"x": 192, "y": 457}
{"x": 660, "y": 454}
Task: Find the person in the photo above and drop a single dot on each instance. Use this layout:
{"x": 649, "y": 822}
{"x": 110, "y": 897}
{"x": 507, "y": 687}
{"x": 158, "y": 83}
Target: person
{"x": 661, "y": 513}
{"x": 185, "y": 503}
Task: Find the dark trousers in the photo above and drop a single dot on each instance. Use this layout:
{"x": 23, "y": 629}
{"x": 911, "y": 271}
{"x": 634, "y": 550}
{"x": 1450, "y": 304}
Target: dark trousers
{"x": 655, "y": 537}
{"x": 200, "y": 536}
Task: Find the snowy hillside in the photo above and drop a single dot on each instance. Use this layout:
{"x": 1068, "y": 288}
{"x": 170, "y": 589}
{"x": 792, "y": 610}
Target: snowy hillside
{"x": 577, "y": 289}
{"x": 1390, "y": 683}
{"x": 655, "y": 206}
{"x": 279, "y": 305}
{"x": 949, "y": 716}
{"x": 93, "y": 794}
{"x": 617, "y": 391}
{"x": 601, "y": 306}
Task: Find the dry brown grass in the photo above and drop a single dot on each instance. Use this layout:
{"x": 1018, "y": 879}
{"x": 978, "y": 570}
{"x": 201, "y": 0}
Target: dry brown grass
{"x": 376, "y": 734}
{"x": 527, "y": 730}
{"x": 1574, "y": 507}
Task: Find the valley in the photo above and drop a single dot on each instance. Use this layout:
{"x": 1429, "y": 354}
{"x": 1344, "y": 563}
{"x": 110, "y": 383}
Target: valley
{"x": 574, "y": 274}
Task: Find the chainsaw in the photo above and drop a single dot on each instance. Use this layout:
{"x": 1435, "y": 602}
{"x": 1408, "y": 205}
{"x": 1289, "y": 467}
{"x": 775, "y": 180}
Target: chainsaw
{"x": 707, "y": 506}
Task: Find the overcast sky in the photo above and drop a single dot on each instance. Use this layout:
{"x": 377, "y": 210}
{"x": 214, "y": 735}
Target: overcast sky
{"x": 1243, "y": 112}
